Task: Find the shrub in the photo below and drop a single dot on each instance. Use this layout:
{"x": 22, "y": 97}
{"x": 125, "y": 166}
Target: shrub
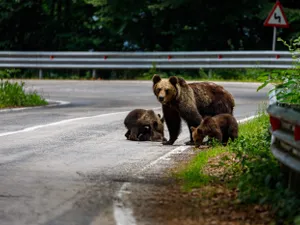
{"x": 286, "y": 82}
{"x": 257, "y": 172}
{"x": 12, "y": 94}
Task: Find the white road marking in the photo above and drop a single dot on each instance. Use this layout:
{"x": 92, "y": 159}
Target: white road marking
{"x": 247, "y": 119}
{"x": 63, "y": 122}
{"x": 124, "y": 215}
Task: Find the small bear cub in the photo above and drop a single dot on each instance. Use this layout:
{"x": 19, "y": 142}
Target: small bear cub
{"x": 221, "y": 127}
{"x": 144, "y": 125}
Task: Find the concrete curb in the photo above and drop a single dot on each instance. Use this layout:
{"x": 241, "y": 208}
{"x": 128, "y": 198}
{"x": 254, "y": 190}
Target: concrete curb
{"x": 52, "y": 103}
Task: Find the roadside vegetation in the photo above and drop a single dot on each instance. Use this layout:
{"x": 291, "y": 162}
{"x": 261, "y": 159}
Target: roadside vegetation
{"x": 91, "y": 25}
{"x": 286, "y": 82}
{"x": 12, "y": 94}
{"x": 234, "y": 75}
{"x": 248, "y": 166}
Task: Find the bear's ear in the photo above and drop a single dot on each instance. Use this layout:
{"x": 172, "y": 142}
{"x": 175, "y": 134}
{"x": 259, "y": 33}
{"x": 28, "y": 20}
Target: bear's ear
{"x": 181, "y": 81}
{"x": 173, "y": 80}
{"x": 159, "y": 115}
{"x": 162, "y": 119}
{"x": 206, "y": 120}
{"x": 206, "y": 117}
{"x": 193, "y": 128}
{"x": 156, "y": 78}
{"x": 199, "y": 131}
{"x": 150, "y": 112}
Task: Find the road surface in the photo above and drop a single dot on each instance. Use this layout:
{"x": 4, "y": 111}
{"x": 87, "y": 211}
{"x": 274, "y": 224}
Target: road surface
{"x": 68, "y": 164}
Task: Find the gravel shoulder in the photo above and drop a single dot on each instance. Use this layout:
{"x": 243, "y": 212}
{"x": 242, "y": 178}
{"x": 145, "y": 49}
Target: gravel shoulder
{"x": 163, "y": 201}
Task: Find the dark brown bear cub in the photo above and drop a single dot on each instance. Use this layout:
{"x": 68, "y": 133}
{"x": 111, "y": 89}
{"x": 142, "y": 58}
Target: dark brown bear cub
{"x": 190, "y": 102}
{"x": 144, "y": 125}
{"x": 221, "y": 127}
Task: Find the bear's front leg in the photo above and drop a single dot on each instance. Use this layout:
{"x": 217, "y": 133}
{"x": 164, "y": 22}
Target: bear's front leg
{"x": 134, "y": 134}
{"x": 173, "y": 121}
{"x": 191, "y": 141}
{"x": 193, "y": 118}
{"x": 127, "y": 134}
{"x": 144, "y": 137}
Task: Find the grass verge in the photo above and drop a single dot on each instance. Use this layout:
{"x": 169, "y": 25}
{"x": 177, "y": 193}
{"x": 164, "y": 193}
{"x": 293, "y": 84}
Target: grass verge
{"x": 12, "y": 95}
{"x": 248, "y": 166}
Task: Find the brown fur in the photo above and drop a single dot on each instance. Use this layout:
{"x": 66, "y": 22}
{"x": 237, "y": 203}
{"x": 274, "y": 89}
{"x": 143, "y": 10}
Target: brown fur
{"x": 144, "y": 125}
{"x": 221, "y": 127}
{"x": 190, "y": 102}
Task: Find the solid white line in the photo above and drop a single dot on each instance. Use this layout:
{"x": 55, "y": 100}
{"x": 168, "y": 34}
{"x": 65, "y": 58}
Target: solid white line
{"x": 166, "y": 156}
{"x": 63, "y": 122}
{"x": 181, "y": 149}
{"x": 247, "y": 119}
{"x": 122, "y": 214}
{"x": 58, "y": 103}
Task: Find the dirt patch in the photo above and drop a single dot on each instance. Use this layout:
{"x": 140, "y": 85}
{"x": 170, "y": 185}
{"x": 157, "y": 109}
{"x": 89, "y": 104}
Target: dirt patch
{"x": 207, "y": 205}
{"x": 210, "y": 204}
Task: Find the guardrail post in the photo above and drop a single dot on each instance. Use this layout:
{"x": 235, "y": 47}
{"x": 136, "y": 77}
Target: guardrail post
{"x": 94, "y": 74}
{"x": 209, "y": 73}
{"x": 40, "y": 73}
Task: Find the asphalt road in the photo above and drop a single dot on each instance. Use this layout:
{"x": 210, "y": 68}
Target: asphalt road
{"x": 66, "y": 164}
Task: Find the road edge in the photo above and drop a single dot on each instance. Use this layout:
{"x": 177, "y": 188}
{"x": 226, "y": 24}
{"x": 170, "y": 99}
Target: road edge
{"x": 124, "y": 215}
{"x": 54, "y": 103}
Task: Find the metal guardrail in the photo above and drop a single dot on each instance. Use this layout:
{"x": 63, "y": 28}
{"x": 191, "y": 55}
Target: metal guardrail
{"x": 285, "y": 145}
{"x": 146, "y": 60}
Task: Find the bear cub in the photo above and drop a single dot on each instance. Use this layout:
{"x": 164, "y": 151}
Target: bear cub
{"x": 221, "y": 127}
{"x": 144, "y": 125}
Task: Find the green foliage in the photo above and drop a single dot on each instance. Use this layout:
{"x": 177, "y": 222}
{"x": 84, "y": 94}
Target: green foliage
{"x": 257, "y": 172}
{"x": 47, "y": 25}
{"x": 254, "y": 171}
{"x": 286, "y": 82}
{"x": 193, "y": 175}
{"x": 252, "y": 148}
{"x": 12, "y": 94}
{"x": 9, "y": 73}
{"x": 205, "y": 74}
{"x": 139, "y": 25}
{"x": 127, "y": 25}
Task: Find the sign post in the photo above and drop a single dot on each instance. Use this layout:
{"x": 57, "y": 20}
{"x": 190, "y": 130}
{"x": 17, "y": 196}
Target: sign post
{"x": 276, "y": 18}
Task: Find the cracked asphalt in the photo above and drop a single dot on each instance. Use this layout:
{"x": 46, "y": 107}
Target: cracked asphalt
{"x": 70, "y": 172}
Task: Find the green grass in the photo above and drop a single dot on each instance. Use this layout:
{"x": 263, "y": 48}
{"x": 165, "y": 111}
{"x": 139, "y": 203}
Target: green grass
{"x": 191, "y": 78}
{"x": 242, "y": 75}
{"x": 234, "y": 75}
{"x": 255, "y": 172}
{"x": 193, "y": 175}
{"x": 12, "y": 94}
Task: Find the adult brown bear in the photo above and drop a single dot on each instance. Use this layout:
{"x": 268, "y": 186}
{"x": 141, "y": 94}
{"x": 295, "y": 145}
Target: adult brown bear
{"x": 190, "y": 102}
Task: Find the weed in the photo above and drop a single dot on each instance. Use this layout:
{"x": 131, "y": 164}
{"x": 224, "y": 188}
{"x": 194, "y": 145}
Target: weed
{"x": 286, "y": 82}
{"x": 249, "y": 166}
{"x": 193, "y": 175}
{"x": 12, "y": 94}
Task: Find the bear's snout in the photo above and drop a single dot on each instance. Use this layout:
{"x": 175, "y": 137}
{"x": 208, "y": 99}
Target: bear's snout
{"x": 160, "y": 98}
